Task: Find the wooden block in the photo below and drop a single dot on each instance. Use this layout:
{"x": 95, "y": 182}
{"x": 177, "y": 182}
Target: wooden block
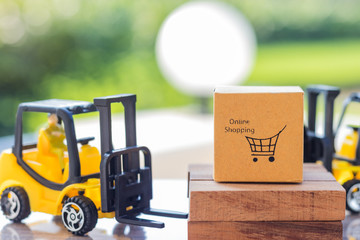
{"x": 318, "y": 176}
{"x": 318, "y": 198}
{"x": 264, "y": 230}
{"x": 314, "y": 167}
{"x": 309, "y": 201}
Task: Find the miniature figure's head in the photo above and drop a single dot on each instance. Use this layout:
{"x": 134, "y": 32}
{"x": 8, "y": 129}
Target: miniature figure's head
{"x": 52, "y": 119}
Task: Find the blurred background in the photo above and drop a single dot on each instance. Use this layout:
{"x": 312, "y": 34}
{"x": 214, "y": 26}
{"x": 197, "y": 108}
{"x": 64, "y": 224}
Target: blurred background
{"x": 77, "y": 49}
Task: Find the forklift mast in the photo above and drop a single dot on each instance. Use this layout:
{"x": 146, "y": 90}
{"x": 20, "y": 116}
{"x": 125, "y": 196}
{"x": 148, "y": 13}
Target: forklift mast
{"x": 103, "y": 105}
{"x": 316, "y": 147}
{"x": 117, "y": 164}
{"x": 126, "y": 188}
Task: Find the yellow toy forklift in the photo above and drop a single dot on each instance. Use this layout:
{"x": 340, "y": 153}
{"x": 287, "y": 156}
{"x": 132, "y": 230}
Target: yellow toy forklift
{"x": 345, "y": 162}
{"x": 90, "y": 185}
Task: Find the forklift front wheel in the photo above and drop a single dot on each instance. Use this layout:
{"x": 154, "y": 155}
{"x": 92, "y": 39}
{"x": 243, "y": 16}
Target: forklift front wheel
{"x": 79, "y": 215}
{"x": 352, "y": 188}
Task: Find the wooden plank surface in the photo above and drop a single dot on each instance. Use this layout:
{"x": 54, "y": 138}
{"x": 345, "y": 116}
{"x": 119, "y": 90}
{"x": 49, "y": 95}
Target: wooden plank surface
{"x": 318, "y": 198}
{"x": 265, "y": 230}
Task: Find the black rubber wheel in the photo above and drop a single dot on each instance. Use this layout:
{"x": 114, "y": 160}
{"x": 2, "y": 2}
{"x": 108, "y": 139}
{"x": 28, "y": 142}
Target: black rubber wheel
{"x": 79, "y": 215}
{"x": 15, "y": 204}
{"x": 352, "y": 188}
{"x": 255, "y": 159}
{"x": 271, "y": 159}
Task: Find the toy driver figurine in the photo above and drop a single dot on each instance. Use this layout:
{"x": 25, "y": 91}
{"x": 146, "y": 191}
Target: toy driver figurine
{"x": 56, "y": 135}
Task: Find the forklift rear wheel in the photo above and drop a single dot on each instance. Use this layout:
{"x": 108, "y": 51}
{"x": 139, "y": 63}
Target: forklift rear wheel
{"x": 79, "y": 215}
{"x": 352, "y": 188}
{"x": 15, "y": 204}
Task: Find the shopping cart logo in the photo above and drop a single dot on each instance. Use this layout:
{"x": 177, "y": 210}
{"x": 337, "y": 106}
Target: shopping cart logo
{"x": 264, "y": 146}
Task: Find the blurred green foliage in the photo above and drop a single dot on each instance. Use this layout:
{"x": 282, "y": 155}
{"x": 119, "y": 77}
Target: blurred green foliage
{"x": 335, "y": 62}
{"x": 79, "y": 49}
{"x": 279, "y": 20}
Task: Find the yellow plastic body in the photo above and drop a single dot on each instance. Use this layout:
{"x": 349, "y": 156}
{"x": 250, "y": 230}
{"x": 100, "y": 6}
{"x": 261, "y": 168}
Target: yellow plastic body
{"x": 43, "y": 199}
{"x": 344, "y": 171}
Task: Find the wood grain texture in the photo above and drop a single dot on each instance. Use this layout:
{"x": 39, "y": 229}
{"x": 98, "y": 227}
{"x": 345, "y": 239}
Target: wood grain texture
{"x": 314, "y": 167}
{"x": 264, "y": 230}
{"x": 318, "y": 198}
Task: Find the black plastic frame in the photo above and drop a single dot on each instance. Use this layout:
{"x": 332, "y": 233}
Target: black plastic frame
{"x": 123, "y": 182}
{"x": 130, "y": 161}
{"x": 321, "y": 147}
{"x": 121, "y": 192}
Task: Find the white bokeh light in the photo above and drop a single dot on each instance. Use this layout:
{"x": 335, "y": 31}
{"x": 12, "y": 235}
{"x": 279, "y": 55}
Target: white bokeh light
{"x": 202, "y": 44}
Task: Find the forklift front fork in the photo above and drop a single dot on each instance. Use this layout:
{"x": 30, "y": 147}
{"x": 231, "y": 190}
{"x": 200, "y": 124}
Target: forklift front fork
{"x": 132, "y": 189}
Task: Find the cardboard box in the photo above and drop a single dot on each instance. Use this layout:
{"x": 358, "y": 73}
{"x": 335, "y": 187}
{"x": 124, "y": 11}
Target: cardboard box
{"x": 258, "y": 134}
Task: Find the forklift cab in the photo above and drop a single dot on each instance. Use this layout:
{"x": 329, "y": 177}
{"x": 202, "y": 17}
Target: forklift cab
{"x": 346, "y": 164}
{"x": 350, "y": 149}
{"x": 43, "y": 166}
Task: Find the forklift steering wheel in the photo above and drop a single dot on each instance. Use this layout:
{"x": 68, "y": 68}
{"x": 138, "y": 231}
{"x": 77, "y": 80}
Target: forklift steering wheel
{"x": 85, "y": 140}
